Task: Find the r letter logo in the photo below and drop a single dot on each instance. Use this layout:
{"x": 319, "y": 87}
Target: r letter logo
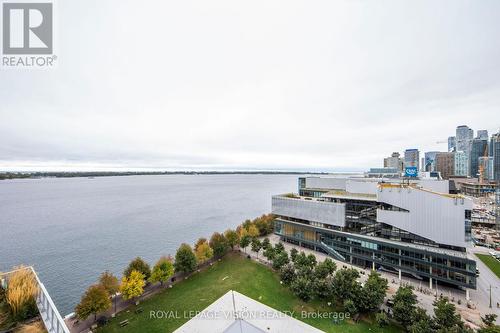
{"x": 27, "y": 28}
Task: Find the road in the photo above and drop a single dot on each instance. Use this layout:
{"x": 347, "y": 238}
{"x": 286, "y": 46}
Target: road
{"x": 486, "y": 279}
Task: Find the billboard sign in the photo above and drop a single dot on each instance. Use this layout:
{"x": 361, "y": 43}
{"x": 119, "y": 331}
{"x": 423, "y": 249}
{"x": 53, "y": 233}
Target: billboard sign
{"x": 411, "y": 171}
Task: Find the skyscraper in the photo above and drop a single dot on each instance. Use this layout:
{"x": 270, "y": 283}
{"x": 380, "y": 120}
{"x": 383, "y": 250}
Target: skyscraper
{"x": 430, "y": 160}
{"x": 464, "y": 136}
{"x": 394, "y": 161}
{"x": 412, "y": 158}
{"x": 452, "y": 143}
{"x": 445, "y": 164}
{"x": 482, "y": 134}
{"x": 461, "y": 164}
{"x": 495, "y": 140}
{"x": 479, "y": 148}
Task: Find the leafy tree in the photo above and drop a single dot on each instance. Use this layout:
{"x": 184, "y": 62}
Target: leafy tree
{"x": 185, "y": 260}
{"x": 381, "y": 319}
{"x": 404, "y": 305}
{"x": 279, "y": 247}
{"x": 350, "y": 307}
{"x": 373, "y": 292}
{"x": 312, "y": 260}
{"x": 266, "y": 243}
{"x": 253, "y": 231}
{"x": 109, "y": 282}
{"x": 287, "y": 274}
{"x": 218, "y": 243}
{"x": 323, "y": 287}
{"x": 269, "y": 253}
{"x": 280, "y": 259}
{"x": 133, "y": 285}
{"x": 445, "y": 316}
{"x": 162, "y": 270}
{"x": 232, "y": 238}
{"x": 265, "y": 224}
{"x": 345, "y": 285}
{"x": 138, "y": 265}
{"x": 293, "y": 254}
{"x": 95, "y": 300}
{"x": 489, "y": 319}
{"x": 246, "y": 225}
{"x": 302, "y": 288}
{"x": 256, "y": 246}
{"x": 422, "y": 323}
{"x": 303, "y": 264}
{"x": 204, "y": 252}
{"x": 245, "y": 241}
{"x": 199, "y": 242}
{"x": 324, "y": 269}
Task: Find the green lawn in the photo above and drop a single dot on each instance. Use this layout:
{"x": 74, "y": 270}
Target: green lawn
{"x": 232, "y": 273}
{"x": 491, "y": 262}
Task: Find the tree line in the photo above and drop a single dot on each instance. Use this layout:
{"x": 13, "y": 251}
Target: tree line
{"x": 97, "y": 298}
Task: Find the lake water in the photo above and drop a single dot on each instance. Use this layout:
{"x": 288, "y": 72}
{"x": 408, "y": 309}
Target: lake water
{"x": 72, "y": 229}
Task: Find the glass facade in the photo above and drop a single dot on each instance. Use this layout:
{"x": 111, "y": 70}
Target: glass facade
{"x": 445, "y": 266}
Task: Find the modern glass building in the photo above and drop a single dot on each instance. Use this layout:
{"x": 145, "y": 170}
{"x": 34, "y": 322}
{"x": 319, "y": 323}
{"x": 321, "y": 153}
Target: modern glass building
{"x": 479, "y": 149}
{"x": 412, "y": 158}
{"x": 410, "y": 229}
{"x": 461, "y": 163}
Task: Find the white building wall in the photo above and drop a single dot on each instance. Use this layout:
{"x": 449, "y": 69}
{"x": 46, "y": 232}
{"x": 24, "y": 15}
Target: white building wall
{"x": 311, "y": 210}
{"x": 361, "y": 186}
{"x": 326, "y": 183}
{"x": 440, "y": 186}
{"x": 436, "y": 217}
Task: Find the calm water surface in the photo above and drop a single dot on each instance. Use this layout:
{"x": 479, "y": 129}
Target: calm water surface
{"x": 72, "y": 229}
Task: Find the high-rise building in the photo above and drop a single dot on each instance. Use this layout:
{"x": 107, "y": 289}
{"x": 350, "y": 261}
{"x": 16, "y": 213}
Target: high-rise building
{"x": 495, "y": 141}
{"x": 412, "y": 158}
{"x": 445, "y": 164}
{"x": 464, "y": 136}
{"x": 487, "y": 165}
{"x": 482, "y": 134}
{"x": 461, "y": 164}
{"x": 452, "y": 144}
{"x": 430, "y": 160}
{"x": 479, "y": 148}
{"x": 394, "y": 161}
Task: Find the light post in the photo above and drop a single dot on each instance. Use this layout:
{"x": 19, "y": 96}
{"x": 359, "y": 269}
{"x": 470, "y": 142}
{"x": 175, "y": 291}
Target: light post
{"x": 489, "y": 289}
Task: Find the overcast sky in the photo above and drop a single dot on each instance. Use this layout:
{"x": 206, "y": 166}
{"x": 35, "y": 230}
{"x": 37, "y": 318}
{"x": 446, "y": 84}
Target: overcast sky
{"x": 284, "y": 85}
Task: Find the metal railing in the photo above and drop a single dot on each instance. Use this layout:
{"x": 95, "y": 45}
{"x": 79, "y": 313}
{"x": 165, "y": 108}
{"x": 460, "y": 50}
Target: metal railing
{"x": 51, "y": 317}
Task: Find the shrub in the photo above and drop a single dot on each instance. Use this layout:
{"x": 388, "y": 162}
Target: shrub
{"x": 381, "y": 319}
{"x": 21, "y": 293}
